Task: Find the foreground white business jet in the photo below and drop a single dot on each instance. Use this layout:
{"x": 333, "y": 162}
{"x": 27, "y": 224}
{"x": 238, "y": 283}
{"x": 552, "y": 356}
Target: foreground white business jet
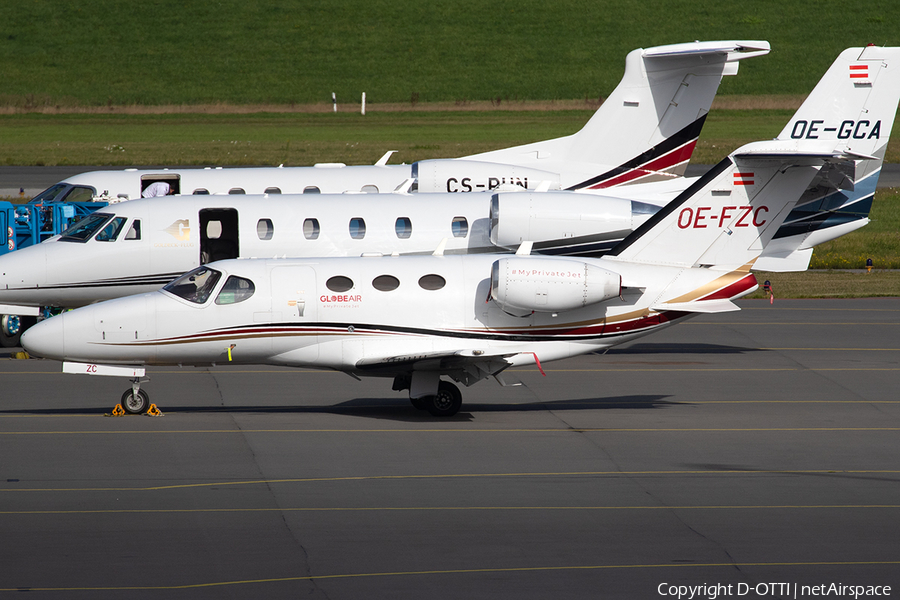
{"x": 645, "y": 130}
{"x": 469, "y": 317}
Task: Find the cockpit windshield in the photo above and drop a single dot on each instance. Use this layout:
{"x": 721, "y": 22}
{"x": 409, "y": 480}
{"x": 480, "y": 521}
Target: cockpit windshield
{"x": 85, "y": 228}
{"x": 195, "y": 286}
{"x": 49, "y": 194}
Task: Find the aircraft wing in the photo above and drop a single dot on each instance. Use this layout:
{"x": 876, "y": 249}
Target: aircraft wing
{"x": 464, "y": 366}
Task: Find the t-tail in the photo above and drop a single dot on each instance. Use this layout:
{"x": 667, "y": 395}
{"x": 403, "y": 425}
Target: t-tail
{"x": 725, "y": 219}
{"x": 852, "y": 109}
{"x": 647, "y": 129}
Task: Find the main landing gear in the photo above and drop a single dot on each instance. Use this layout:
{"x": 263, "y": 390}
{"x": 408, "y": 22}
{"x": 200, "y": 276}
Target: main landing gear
{"x": 11, "y": 328}
{"x": 445, "y": 403}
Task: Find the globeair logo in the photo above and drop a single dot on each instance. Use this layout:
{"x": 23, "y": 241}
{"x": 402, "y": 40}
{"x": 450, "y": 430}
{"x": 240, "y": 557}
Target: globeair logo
{"x": 180, "y": 230}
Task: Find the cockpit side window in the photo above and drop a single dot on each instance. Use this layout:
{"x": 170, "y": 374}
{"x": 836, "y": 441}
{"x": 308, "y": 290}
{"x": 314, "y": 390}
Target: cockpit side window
{"x": 195, "y": 286}
{"x": 236, "y": 289}
{"x": 85, "y": 228}
{"x": 134, "y": 233}
{"x": 111, "y": 231}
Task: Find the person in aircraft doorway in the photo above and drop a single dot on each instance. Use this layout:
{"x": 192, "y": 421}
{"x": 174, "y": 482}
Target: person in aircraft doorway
{"x": 157, "y": 188}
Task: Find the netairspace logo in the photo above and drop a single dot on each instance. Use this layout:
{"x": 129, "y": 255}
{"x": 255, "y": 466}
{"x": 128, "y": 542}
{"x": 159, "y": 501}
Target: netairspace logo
{"x": 711, "y": 591}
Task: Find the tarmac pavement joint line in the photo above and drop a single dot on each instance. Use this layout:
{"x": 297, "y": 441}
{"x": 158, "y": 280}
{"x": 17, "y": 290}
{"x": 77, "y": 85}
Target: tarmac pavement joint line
{"x": 467, "y": 476}
{"x": 139, "y": 511}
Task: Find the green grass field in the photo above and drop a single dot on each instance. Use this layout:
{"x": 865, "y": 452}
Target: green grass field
{"x": 100, "y": 52}
{"x": 296, "y": 139}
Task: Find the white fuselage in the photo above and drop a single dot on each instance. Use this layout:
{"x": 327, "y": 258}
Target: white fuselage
{"x": 159, "y": 238}
{"x": 388, "y": 314}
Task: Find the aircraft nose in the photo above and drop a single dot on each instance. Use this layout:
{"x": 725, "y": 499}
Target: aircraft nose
{"x": 46, "y": 339}
{"x": 21, "y": 274}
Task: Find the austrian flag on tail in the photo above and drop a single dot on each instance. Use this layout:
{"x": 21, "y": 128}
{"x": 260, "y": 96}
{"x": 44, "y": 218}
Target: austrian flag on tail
{"x": 743, "y": 178}
{"x": 859, "y": 71}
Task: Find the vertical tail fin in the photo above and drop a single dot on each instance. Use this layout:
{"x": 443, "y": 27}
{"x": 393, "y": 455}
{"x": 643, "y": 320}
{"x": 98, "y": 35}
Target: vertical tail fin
{"x": 649, "y": 125}
{"x": 852, "y": 108}
{"x": 726, "y": 218}
{"x": 853, "y": 104}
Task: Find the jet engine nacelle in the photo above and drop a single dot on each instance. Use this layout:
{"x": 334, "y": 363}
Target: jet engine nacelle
{"x": 451, "y": 175}
{"x": 521, "y": 285}
{"x": 539, "y": 217}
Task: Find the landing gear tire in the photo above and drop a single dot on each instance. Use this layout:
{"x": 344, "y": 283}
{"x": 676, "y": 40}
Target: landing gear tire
{"x": 135, "y": 403}
{"x": 9, "y": 341}
{"x": 11, "y": 328}
{"x": 446, "y": 402}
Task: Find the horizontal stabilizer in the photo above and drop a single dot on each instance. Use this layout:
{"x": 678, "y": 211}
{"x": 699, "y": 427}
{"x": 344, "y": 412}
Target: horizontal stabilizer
{"x": 793, "y": 262}
{"x": 735, "y": 50}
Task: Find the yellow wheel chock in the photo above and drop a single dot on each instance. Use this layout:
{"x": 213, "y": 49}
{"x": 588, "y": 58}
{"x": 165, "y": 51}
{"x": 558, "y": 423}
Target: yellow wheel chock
{"x": 118, "y": 411}
{"x": 153, "y": 411}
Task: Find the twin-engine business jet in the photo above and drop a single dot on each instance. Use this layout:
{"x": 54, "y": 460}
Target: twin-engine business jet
{"x": 645, "y": 130}
{"x": 139, "y": 246}
{"x": 416, "y": 319}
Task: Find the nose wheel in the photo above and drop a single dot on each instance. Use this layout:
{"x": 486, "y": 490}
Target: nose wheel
{"x": 135, "y": 401}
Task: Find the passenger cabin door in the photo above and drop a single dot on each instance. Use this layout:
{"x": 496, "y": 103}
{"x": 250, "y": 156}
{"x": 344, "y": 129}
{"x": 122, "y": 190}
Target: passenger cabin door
{"x": 294, "y": 309}
{"x": 218, "y": 234}
{"x": 173, "y": 179}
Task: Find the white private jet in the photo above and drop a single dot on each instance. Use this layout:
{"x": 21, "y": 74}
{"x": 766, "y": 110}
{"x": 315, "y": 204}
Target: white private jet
{"x": 469, "y": 317}
{"x": 645, "y": 130}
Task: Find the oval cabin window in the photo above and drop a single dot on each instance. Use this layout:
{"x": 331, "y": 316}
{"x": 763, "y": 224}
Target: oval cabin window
{"x": 459, "y": 227}
{"x": 339, "y": 283}
{"x": 432, "y": 282}
{"x": 264, "y": 229}
{"x": 357, "y": 228}
{"x": 403, "y": 227}
{"x": 311, "y": 229}
{"x": 385, "y": 283}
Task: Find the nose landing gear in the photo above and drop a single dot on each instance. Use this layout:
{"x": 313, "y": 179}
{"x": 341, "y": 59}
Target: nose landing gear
{"x": 136, "y": 401}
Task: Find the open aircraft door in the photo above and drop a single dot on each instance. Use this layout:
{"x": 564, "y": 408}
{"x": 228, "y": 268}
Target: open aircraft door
{"x": 219, "y": 234}
{"x": 293, "y": 307}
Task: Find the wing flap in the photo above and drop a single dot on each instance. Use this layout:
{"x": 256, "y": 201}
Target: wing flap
{"x": 464, "y": 366}
{"x": 701, "y": 306}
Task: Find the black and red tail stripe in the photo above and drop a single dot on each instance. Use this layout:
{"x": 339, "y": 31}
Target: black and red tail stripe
{"x": 673, "y": 151}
